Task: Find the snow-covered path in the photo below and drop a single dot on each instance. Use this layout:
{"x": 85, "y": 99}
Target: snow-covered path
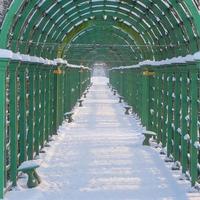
{"x": 100, "y": 157}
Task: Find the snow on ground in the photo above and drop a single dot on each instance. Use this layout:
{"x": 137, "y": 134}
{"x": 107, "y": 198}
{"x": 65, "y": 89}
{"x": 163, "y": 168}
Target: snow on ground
{"x": 100, "y": 157}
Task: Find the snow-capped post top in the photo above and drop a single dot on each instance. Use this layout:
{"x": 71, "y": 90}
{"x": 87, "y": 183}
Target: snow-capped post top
{"x": 60, "y": 61}
{"x": 65, "y": 62}
{"x": 54, "y": 63}
{"x": 197, "y": 56}
{"x": 177, "y": 60}
{"x": 25, "y": 58}
{"x": 47, "y": 61}
{"x": 42, "y": 60}
{"x": 35, "y": 59}
{"x": 189, "y": 58}
{"x": 5, "y": 54}
{"x": 16, "y": 56}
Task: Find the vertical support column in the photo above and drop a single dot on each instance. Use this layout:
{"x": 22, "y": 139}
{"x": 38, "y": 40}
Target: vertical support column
{"x": 13, "y": 121}
{"x": 169, "y": 116}
{"x": 31, "y": 117}
{"x": 51, "y": 83}
{"x": 61, "y": 100}
{"x": 154, "y": 103}
{"x": 165, "y": 89}
{"x": 80, "y": 82}
{"x": 159, "y": 106}
{"x": 3, "y": 64}
{"x": 145, "y": 101}
{"x": 42, "y": 108}
{"x": 193, "y": 128}
{"x": 47, "y": 107}
{"x": 66, "y": 90}
{"x": 69, "y": 93}
{"x": 37, "y": 110}
{"x": 121, "y": 82}
{"x": 184, "y": 110}
{"x": 22, "y": 118}
{"x": 53, "y": 101}
{"x": 176, "y": 150}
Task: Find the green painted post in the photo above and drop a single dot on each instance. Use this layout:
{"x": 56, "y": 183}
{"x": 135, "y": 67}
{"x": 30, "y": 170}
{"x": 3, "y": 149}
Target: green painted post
{"x": 42, "y": 108}
{"x": 145, "y": 101}
{"x": 154, "y": 102}
{"x": 80, "y": 81}
{"x": 65, "y": 91}
{"x": 61, "y": 99}
{"x": 31, "y": 116}
{"x": 13, "y": 117}
{"x": 51, "y": 111}
{"x": 169, "y": 118}
{"x": 160, "y": 107}
{"x": 69, "y": 90}
{"x": 22, "y": 109}
{"x": 177, "y": 138}
{"x": 54, "y": 99}
{"x": 37, "y": 110}
{"x": 193, "y": 128}
{"x": 121, "y": 82}
{"x": 5, "y": 57}
{"x": 184, "y": 109}
{"x": 47, "y": 106}
{"x": 164, "y": 133}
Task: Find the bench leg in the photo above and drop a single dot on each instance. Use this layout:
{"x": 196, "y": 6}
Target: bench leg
{"x": 127, "y": 112}
{"x": 70, "y": 119}
{"x": 37, "y": 176}
{"x": 32, "y": 181}
{"x": 146, "y": 140}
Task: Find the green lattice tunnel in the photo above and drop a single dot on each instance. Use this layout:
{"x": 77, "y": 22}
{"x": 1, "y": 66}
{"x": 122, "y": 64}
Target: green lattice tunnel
{"x": 35, "y": 93}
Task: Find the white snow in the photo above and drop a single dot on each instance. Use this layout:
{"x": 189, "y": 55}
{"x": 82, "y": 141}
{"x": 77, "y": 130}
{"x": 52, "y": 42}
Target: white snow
{"x": 100, "y": 157}
{"x": 28, "y": 164}
{"x": 175, "y": 60}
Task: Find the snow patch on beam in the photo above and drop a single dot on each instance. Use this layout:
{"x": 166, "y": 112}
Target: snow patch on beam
{"x": 175, "y": 60}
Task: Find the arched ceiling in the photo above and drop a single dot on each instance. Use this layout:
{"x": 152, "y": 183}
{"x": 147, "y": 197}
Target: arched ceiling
{"x": 125, "y": 30}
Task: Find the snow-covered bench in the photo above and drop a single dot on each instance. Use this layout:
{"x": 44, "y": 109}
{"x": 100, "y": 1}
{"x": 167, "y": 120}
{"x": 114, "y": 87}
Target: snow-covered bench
{"x": 148, "y": 135}
{"x": 80, "y": 101}
{"x": 127, "y": 110}
{"x": 68, "y": 116}
{"x": 120, "y": 99}
{"x": 29, "y": 168}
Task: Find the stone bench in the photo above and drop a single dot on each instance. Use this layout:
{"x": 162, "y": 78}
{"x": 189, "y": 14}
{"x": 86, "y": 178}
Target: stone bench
{"x": 80, "y": 101}
{"x": 120, "y": 99}
{"x": 29, "y": 168}
{"x": 127, "y": 110}
{"x": 148, "y": 135}
{"x": 68, "y": 115}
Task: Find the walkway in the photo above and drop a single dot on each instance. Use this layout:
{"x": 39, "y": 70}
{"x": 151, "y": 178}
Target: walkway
{"x": 100, "y": 157}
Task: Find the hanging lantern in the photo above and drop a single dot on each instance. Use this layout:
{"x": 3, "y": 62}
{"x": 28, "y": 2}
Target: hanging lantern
{"x": 57, "y": 71}
{"x": 149, "y": 73}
